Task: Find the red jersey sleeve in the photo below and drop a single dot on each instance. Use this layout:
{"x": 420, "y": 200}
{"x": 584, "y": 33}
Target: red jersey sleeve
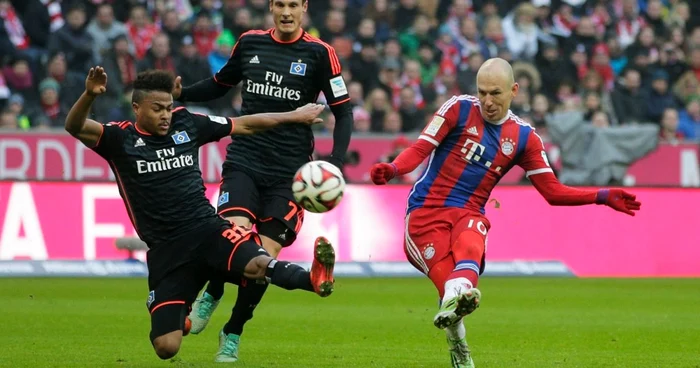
{"x": 537, "y": 169}
{"x": 442, "y": 123}
{"x": 534, "y": 160}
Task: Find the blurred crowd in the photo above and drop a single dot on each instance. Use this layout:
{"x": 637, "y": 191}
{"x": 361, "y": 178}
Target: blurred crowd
{"x": 616, "y": 61}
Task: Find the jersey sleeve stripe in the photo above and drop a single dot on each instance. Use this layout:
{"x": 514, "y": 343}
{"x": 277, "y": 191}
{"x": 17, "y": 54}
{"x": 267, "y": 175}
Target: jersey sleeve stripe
{"x": 339, "y": 102}
{"x": 447, "y": 105}
{"x": 538, "y": 171}
{"x": 248, "y": 33}
{"x": 178, "y": 108}
{"x": 332, "y": 56}
{"x": 426, "y": 138}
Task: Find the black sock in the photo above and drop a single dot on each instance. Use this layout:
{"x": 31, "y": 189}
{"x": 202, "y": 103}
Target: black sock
{"x": 288, "y": 276}
{"x": 250, "y": 293}
{"x": 215, "y": 288}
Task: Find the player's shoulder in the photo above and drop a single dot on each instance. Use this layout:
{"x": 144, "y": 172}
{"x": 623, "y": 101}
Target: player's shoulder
{"x": 254, "y": 35}
{"x": 182, "y": 118}
{"x": 316, "y": 43}
{"x": 456, "y": 102}
{"x": 120, "y": 127}
{"x": 520, "y": 122}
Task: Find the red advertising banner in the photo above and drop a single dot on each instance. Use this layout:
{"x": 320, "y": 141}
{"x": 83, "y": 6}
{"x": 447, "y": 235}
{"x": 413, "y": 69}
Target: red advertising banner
{"x": 56, "y": 156}
{"x": 80, "y": 221}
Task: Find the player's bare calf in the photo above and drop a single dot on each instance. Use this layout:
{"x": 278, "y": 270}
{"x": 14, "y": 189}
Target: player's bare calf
{"x": 454, "y": 309}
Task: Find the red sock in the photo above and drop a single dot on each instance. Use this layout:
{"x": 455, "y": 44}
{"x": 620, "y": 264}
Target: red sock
{"x": 440, "y": 272}
{"x": 468, "y": 270}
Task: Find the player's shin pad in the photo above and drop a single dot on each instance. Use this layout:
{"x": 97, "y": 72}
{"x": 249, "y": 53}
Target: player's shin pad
{"x": 288, "y": 276}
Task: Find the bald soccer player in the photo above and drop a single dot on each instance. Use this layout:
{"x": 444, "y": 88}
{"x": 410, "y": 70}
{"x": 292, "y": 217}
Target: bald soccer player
{"x": 472, "y": 143}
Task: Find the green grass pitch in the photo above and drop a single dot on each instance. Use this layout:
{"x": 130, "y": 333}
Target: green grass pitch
{"x": 523, "y": 322}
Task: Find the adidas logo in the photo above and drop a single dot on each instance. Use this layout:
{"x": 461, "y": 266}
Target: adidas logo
{"x": 139, "y": 143}
{"x": 473, "y": 131}
{"x": 255, "y": 60}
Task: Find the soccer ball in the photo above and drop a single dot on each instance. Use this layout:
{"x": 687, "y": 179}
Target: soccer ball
{"x": 318, "y": 186}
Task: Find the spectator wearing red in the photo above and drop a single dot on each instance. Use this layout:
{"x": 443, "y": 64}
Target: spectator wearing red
{"x": 204, "y": 33}
{"x": 159, "y": 56}
{"x": 141, "y": 30}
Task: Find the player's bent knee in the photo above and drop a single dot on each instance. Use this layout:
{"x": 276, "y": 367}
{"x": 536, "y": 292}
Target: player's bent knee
{"x": 167, "y": 346}
{"x": 241, "y": 221}
{"x": 271, "y": 246}
{"x": 277, "y": 233}
{"x": 469, "y": 246}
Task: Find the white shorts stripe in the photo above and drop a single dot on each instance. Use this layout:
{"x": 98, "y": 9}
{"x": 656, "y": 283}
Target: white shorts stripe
{"x": 413, "y": 251}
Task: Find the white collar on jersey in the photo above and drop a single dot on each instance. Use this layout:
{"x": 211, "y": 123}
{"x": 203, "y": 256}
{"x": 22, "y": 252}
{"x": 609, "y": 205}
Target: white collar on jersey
{"x": 500, "y": 121}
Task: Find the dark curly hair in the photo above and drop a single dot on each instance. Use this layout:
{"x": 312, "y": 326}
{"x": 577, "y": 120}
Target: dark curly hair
{"x": 152, "y": 81}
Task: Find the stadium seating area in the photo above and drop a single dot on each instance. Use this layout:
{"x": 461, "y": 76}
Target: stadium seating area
{"x": 618, "y": 62}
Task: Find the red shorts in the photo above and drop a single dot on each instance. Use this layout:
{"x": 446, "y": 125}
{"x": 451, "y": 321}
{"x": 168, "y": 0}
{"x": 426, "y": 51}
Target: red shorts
{"x": 431, "y": 234}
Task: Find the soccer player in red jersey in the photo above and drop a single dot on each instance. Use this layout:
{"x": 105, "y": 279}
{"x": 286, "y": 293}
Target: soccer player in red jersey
{"x": 472, "y": 143}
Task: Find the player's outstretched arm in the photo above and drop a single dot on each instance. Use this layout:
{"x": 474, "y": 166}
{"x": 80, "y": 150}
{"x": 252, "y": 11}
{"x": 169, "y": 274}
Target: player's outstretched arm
{"x": 538, "y": 170}
{"x": 442, "y": 123}
{"x": 558, "y": 194}
{"x": 77, "y": 124}
{"x": 202, "y": 91}
{"x": 251, "y": 124}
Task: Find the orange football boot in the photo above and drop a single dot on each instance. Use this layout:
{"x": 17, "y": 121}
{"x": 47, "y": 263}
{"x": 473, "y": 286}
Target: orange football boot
{"x": 322, "y": 267}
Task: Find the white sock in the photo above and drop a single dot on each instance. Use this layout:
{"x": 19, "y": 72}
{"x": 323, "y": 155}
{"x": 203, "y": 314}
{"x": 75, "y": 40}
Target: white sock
{"x": 456, "y": 331}
{"x": 455, "y": 287}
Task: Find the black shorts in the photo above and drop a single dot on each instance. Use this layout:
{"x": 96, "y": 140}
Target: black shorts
{"x": 266, "y": 201}
{"x": 222, "y": 253}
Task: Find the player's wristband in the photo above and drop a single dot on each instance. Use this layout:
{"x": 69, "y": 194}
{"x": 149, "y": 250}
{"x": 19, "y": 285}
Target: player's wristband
{"x": 602, "y": 196}
{"x": 396, "y": 169}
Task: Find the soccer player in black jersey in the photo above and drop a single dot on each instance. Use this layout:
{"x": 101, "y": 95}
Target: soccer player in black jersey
{"x": 156, "y": 164}
{"x": 279, "y": 69}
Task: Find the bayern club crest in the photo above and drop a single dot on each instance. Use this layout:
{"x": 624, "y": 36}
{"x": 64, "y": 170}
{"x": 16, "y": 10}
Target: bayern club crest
{"x": 429, "y": 252}
{"x": 507, "y": 146}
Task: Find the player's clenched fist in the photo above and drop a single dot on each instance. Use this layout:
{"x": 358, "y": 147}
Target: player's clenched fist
{"x": 619, "y": 200}
{"x": 382, "y": 173}
{"x": 96, "y": 81}
{"x": 308, "y": 113}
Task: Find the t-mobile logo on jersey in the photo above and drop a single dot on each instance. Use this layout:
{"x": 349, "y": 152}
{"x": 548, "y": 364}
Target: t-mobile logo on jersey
{"x": 166, "y": 161}
{"x": 273, "y": 90}
{"x": 474, "y": 151}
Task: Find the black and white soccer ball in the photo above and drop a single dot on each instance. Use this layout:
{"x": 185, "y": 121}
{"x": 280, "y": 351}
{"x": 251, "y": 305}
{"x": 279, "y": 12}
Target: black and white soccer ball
{"x": 318, "y": 186}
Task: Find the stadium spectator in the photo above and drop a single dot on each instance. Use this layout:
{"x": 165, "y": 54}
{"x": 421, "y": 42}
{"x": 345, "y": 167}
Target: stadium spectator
{"x": 49, "y": 113}
{"x": 689, "y": 119}
{"x": 173, "y": 27}
{"x": 628, "y": 97}
{"x": 191, "y": 66}
{"x": 159, "y": 55}
{"x": 103, "y": 29}
{"x": 521, "y": 32}
{"x": 141, "y": 30}
{"x": 659, "y": 97}
{"x": 74, "y": 41}
{"x": 669, "y": 127}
